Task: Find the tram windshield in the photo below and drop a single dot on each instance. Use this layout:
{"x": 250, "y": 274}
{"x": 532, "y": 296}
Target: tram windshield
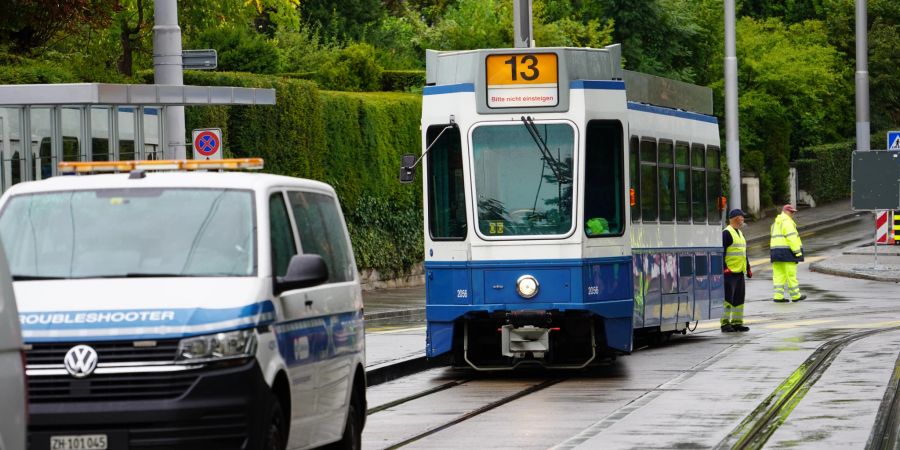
{"x": 523, "y": 182}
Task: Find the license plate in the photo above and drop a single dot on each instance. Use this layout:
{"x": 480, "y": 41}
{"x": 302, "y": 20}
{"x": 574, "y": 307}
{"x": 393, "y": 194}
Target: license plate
{"x": 79, "y": 442}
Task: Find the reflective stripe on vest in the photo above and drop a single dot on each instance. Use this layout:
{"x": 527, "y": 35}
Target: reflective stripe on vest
{"x": 736, "y": 253}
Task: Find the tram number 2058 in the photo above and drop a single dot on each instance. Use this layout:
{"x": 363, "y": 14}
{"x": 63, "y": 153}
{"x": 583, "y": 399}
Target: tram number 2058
{"x": 462, "y": 293}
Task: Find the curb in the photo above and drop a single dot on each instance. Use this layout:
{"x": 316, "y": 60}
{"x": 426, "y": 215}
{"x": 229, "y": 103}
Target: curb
{"x": 392, "y": 370}
{"x": 409, "y": 314}
{"x": 821, "y": 268}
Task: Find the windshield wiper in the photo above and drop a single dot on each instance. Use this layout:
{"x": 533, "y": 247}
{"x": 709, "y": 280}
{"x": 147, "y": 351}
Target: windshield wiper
{"x": 542, "y": 147}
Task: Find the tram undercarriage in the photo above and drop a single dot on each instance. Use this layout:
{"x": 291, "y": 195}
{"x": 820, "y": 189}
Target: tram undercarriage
{"x": 550, "y": 339}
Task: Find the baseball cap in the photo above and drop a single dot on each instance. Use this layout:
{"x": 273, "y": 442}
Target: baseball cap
{"x": 789, "y": 207}
{"x": 734, "y": 213}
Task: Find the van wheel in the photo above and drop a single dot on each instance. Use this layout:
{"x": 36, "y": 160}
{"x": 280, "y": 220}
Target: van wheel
{"x": 352, "y": 439}
{"x": 275, "y": 432}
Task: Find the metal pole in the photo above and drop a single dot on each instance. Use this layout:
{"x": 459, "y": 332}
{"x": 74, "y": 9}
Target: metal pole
{"x": 167, "y": 70}
{"x": 732, "y": 138}
{"x": 862, "y": 78}
{"x": 522, "y": 28}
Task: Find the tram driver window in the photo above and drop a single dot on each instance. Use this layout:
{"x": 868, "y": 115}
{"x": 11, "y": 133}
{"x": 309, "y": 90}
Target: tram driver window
{"x": 603, "y": 186}
{"x": 446, "y": 196}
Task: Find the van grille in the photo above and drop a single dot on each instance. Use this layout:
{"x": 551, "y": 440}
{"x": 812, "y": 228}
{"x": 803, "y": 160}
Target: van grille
{"x": 107, "y": 352}
{"x": 110, "y": 387}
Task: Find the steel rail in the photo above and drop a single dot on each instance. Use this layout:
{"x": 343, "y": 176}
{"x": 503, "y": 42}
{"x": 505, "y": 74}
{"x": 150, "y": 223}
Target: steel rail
{"x": 759, "y": 425}
{"x": 493, "y": 405}
{"x": 887, "y": 420}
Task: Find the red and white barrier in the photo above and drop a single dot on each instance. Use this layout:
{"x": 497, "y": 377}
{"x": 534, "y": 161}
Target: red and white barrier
{"x": 882, "y": 227}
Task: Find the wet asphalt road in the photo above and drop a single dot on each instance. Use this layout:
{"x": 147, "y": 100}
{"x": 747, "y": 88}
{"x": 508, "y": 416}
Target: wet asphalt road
{"x": 691, "y": 392}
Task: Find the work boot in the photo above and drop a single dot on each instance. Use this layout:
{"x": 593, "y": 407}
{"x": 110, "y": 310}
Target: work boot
{"x": 800, "y": 298}
{"x": 740, "y": 328}
{"x": 780, "y": 300}
{"x": 727, "y": 328}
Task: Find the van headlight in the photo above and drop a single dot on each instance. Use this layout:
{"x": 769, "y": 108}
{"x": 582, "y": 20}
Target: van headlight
{"x": 216, "y": 346}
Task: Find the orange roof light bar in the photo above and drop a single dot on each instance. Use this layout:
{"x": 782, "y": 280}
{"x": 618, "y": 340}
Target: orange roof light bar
{"x": 164, "y": 164}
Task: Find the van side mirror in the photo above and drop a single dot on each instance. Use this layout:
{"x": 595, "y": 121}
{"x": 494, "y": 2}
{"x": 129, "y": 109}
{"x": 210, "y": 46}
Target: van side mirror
{"x": 303, "y": 271}
{"x": 407, "y": 168}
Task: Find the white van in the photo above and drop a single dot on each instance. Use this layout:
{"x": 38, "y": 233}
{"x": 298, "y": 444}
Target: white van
{"x": 185, "y": 310}
{"x": 13, "y": 410}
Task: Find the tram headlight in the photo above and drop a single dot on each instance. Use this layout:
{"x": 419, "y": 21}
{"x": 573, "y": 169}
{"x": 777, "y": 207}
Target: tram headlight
{"x": 527, "y": 286}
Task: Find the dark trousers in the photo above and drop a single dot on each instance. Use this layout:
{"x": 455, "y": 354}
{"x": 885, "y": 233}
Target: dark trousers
{"x": 734, "y": 288}
{"x": 733, "y": 309}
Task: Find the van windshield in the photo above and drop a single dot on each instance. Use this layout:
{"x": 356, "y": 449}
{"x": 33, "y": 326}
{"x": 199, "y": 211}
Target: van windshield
{"x": 118, "y": 233}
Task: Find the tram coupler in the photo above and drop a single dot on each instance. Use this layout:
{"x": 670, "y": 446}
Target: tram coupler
{"x": 518, "y": 342}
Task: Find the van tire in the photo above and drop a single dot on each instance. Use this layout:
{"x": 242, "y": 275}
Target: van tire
{"x": 352, "y": 438}
{"x": 275, "y": 431}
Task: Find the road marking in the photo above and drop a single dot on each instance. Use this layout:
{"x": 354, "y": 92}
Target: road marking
{"x": 889, "y": 324}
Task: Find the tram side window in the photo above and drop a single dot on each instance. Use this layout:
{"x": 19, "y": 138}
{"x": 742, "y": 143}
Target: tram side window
{"x": 634, "y": 163}
{"x": 603, "y": 196}
{"x": 666, "y": 180}
{"x": 698, "y": 183}
{"x": 714, "y": 184}
{"x": 682, "y": 183}
{"x": 649, "y": 193}
{"x": 446, "y": 196}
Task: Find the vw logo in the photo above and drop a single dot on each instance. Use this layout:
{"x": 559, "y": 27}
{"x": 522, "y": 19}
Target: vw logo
{"x": 80, "y": 361}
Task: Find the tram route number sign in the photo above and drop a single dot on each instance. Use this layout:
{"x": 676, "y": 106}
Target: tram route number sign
{"x": 521, "y": 80}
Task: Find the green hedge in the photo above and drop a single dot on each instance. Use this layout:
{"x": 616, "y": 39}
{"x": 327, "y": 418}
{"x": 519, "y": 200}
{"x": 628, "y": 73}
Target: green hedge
{"x": 824, "y": 170}
{"x": 402, "y": 80}
{"x": 352, "y": 141}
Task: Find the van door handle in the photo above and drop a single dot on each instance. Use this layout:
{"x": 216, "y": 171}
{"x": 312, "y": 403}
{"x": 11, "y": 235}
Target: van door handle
{"x": 308, "y": 303}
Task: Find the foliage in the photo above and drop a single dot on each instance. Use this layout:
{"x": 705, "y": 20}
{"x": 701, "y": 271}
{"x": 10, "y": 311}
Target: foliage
{"x": 342, "y": 19}
{"x": 241, "y": 50}
{"x": 824, "y": 170}
{"x": 402, "y": 80}
{"x": 354, "y": 69}
{"x": 20, "y": 70}
{"x": 30, "y": 24}
{"x": 351, "y": 141}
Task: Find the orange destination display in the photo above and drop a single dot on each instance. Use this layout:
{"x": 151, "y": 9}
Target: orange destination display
{"x": 516, "y": 80}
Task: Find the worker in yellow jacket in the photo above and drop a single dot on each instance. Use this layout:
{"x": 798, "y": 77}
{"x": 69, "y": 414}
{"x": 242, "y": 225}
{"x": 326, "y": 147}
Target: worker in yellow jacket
{"x": 786, "y": 251}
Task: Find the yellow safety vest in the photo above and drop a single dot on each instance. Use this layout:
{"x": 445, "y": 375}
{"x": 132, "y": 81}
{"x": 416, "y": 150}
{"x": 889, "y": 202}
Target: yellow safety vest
{"x": 736, "y": 253}
{"x": 784, "y": 243}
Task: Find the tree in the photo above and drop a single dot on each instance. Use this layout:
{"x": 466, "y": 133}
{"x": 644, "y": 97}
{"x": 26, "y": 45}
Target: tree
{"x": 129, "y": 35}
{"x": 30, "y": 24}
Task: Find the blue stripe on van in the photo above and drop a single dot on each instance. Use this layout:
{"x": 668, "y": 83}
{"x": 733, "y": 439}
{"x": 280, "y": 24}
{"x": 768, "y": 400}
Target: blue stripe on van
{"x": 315, "y": 339}
{"x": 144, "y": 323}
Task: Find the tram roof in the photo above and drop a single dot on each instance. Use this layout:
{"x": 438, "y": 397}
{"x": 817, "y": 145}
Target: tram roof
{"x": 468, "y": 67}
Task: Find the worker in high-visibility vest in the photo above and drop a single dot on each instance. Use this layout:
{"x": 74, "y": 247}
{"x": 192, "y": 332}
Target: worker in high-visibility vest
{"x": 786, "y": 251}
{"x": 736, "y": 267}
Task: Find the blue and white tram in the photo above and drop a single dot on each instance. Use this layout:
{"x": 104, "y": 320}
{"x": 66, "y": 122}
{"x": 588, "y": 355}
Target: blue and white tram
{"x": 569, "y": 205}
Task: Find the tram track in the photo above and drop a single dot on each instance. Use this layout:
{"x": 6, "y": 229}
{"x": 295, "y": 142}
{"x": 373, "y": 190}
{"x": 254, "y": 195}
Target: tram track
{"x": 754, "y": 431}
{"x": 481, "y": 410}
{"x": 885, "y": 432}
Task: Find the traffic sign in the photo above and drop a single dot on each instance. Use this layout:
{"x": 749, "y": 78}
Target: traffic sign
{"x": 882, "y": 230}
{"x": 207, "y": 143}
{"x": 199, "y": 59}
{"x": 893, "y": 140}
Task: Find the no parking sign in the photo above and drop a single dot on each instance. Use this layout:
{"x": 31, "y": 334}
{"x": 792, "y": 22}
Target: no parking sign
{"x": 207, "y": 143}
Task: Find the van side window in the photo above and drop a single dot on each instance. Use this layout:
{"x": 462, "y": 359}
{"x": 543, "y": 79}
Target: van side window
{"x": 321, "y": 232}
{"x": 283, "y": 248}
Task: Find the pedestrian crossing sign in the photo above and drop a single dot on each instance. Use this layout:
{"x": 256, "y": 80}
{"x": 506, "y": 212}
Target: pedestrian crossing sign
{"x": 893, "y": 140}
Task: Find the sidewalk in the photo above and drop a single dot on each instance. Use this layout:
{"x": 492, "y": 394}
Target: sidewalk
{"x": 408, "y": 304}
{"x": 859, "y": 262}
